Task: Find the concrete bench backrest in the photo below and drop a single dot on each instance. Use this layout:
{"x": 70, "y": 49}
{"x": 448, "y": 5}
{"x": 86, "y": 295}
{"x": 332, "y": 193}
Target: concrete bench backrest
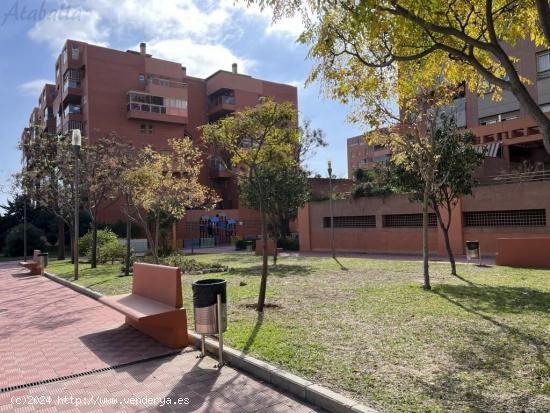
{"x": 35, "y": 255}
{"x": 158, "y": 282}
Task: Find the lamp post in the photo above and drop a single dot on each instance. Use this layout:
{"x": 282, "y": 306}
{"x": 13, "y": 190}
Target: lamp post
{"x": 25, "y": 214}
{"x": 76, "y": 141}
{"x": 24, "y": 226}
{"x": 331, "y": 209}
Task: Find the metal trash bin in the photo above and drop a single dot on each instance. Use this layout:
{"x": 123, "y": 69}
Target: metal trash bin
{"x": 473, "y": 251}
{"x": 210, "y": 310}
{"x": 42, "y": 261}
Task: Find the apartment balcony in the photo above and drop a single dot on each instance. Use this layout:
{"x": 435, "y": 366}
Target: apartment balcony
{"x": 167, "y": 88}
{"x": 509, "y": 132}
{"x": 70, "y": 125}
{"x": 221, "y": 103}
{"x": 144, "y": 106}
{"x": 218, "y": 170}
{"x": 72, "y": 90}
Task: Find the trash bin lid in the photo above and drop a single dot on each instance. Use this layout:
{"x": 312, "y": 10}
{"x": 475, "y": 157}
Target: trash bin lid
{"x": 205, "y": 292}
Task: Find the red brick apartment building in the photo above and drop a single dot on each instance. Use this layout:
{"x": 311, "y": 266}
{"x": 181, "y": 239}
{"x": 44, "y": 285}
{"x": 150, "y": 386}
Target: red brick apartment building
{"x": 146, "y": 101}
{"x": 510, "y": 134}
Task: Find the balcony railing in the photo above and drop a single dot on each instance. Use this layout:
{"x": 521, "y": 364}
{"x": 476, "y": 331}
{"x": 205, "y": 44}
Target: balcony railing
{"x": 146, "y": 107}
{"x": 72, "y": 124}
{"x": 514, "y": 178}
{"x": 165, "y": 82}
{"x": 143, "y": 102}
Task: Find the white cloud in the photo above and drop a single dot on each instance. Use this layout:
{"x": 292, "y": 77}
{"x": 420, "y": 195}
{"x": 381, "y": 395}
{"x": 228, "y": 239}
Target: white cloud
{"x": 33, "y": 87}
{"x": 290, "y": 27}
{"x": 161, "y": 18}
{"x": 200, "y": 59}
{"x": 299, "y": 84}
{"x": 192, "y": 32}
{"x": 84, "y": 26}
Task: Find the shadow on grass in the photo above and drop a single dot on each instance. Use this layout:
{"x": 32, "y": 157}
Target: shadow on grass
{"x": 496, "y": 299}
{"x": 541, "y": 346}
{"x": 254, "y": 333}
{"x": 484, "y": 363}
{"x": 342, "y": 267}
{"x": 281, "y": 270}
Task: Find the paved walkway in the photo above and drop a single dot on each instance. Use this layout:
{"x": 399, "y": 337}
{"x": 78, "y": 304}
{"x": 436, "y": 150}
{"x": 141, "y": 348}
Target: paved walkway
{"x": 48, "y": 331}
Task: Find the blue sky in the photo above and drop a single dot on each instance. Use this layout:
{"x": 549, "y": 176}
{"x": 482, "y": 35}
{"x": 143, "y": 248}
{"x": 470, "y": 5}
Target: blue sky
{"x": 203, "y": 35}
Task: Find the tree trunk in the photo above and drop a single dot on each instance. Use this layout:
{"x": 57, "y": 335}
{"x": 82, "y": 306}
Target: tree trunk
{"x": 128, "y": 246}
{"x": 263, "y": 282}
{"x": 157, "y": 230}
{"x": 445, "y": 228}
{"x": 60, "y": 239}
{"x": 449, "y": 251}
{"x": 275, "y": 254}
{"x": 425, "y": 246}
{"x": 94, "y": 243}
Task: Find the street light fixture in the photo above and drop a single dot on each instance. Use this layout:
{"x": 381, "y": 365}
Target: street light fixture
{"x": 329, "y": 170}
{"x": 76, "y": 142}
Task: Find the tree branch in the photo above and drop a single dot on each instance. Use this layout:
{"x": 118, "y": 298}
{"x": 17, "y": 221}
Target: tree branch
{"x": 543, "y": 7}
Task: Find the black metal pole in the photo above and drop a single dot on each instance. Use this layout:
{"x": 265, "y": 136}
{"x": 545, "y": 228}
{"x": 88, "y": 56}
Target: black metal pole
{"x": 76, "y": 218}
{"x": 24, "y": 227}
{"x": 128, "y": 246}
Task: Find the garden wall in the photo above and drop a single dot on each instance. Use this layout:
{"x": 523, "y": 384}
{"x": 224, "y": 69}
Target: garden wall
{"x": 391, "y": 224}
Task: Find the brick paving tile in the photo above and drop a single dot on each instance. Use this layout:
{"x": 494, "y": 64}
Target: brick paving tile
{"x": 48, "y": 331}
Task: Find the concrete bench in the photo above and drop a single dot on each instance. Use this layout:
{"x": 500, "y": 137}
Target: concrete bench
{"x": 33, "y": 266}
{"x": 155, "y": 305}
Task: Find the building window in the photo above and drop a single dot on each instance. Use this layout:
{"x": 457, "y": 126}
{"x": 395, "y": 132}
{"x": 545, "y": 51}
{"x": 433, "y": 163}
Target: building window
{"x": 146, "y": 128}
{"x": 71, "y": 109}
{"x": 543, "y": 64}
{"x": 141, "y": 79}
{"x": 407, "y": 220}
{"x": 75, "y": 51}
{"x": 64, "y": 58}
{"x": 545, "y": 107}
{"x": 361, "y": 221}
{"x": 514, "y": 218}
{"x": 501, "y": 117}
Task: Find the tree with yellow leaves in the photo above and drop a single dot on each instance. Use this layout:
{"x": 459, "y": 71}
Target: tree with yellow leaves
{"x": 376, "y": 51}
{"x": 164, "y": 185}
{"x": 254, "y": 139}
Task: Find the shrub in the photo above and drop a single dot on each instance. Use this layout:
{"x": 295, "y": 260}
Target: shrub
{"x": 186, "y": 264}
{"x": 289, "y": 244}
{"x": 242, "y": 244}
{"x": 14, "y": 240}
{"x": 119, "y": 228}
{"x": 104, "y": 236}
{"x": 110, "y": 251}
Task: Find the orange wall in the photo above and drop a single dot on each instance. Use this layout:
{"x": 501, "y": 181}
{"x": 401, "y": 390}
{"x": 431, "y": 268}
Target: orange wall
{"x": 523, "y": 252}
{"x": 527, "y": 195}
{"x": 396, "y": 240}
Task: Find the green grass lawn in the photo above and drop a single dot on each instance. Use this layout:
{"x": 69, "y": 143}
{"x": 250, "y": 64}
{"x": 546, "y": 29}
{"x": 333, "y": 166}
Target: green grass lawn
{"x": 479, "y": 342}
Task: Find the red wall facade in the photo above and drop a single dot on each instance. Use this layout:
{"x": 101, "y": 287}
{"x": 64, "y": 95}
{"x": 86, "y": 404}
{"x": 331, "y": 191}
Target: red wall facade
{"x": 485, "y": 199}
